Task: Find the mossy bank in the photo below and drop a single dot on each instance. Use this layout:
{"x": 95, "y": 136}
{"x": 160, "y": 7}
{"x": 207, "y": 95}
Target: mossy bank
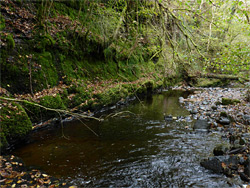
{"x": 80, "y": 55}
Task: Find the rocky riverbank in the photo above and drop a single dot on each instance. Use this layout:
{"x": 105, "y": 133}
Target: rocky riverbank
{"x": 226, "y": 110}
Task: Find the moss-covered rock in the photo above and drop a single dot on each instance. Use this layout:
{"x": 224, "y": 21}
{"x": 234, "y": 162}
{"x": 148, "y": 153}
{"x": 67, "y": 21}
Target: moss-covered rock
{"x": 221, "y": 149}
{"x": 112, "y": 95}
{"x": 149, "y": 85}
{"x": 207, "y": 82}
{"x": 34, "y": 112}
{"x": 53, "y": 102}
{"x": 227, "y": 101}
{"x": 15, "y": 123}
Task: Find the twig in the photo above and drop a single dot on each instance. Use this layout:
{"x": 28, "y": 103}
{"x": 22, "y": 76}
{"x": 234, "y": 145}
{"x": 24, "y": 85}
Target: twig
{"x": 59, "y": 111}
{"x": 119, "y": 113}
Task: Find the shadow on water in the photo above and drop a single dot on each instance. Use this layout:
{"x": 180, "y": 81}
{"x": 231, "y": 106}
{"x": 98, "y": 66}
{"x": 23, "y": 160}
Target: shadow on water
{"x": 132, "y": 150}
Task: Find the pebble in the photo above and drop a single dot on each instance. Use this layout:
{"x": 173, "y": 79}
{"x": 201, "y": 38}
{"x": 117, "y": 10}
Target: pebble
{"x": 231, "y": 120}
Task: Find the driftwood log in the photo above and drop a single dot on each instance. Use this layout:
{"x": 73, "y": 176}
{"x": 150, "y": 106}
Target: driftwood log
{"x": 221, "y": 76}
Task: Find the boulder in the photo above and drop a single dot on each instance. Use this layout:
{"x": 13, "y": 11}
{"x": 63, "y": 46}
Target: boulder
{"x": 212, "y": 163}
{"x": 218, "y": 164}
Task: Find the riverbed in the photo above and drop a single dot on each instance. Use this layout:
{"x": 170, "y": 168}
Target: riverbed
{"x": 135, "y": 147}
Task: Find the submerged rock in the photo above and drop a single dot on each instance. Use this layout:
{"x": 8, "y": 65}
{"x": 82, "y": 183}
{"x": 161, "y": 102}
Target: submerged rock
{"x": 168, "y": 117}
{"x": 220, "y": 164}
{"x": 224, "y": 121}
{"x": 194, "y": 111}
{"x": 247, "y": 119}
{"x": 201, "y": 124}
{"x": 213, "y": 164}
{"x": 220, "y": 149}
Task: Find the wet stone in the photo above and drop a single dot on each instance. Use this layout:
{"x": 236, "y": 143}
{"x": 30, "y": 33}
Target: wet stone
{"x": 220, "y": 149}
{"x": 181, "y": 100}
{"x": 214, "y": 107}
{"x": 242, "y": 141}
{"x": 213, "y": 164}
{"x": 194, "y": 111}
{"x": 208, "y": 114}
{"x": 223, "y": 114}
{"x": 219, "y": 129}
{"x": 224, "y": 121}
{"x": 204, "y": 102}
{"x": 168, "y": 117}
{"x": 246, "y": 117}
{"x": 244, "y": 177}
{"x": 203, "y": 108}
{"x": 201, "y": 124}
{"x": 241, "y": 161}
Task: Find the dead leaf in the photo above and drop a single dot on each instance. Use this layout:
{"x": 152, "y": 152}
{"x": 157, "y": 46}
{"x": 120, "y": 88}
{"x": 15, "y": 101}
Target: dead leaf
{"x": 223, "y": 165}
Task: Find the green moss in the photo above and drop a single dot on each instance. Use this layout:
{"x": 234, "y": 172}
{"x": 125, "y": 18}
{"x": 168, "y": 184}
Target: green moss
{"x": 111, "y": 95}
{"x": 227, "y": 101}
{"x": 43, "y": 42}
{"x": 53, "y": 102}
{"x": 34, "y": 112}
{"x": 206, "y": 82}
{"x": 64, "y": 97}
{"x": 10, "y": 42}
{"x": 15, "y": 123}
{"x": 2, "y": 22}
{"x": 79, "y": 98}
{"x": 47, "y": 75}
{"x": 149, "y": 84}
{"x": 129, "y": 87}
{"x": 3, "y": 140}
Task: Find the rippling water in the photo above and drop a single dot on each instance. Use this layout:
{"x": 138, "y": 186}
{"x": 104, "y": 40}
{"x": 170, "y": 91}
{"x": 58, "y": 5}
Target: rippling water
{"x": 132, "y": 150}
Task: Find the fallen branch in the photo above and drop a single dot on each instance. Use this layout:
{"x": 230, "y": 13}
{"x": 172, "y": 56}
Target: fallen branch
{"x": 222, "y": 76}
{"x": 112, "y": 115}
{"x": 59, "y": 111}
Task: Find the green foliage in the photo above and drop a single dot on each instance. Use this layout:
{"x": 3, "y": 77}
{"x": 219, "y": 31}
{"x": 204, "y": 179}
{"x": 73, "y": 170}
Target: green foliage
{"x": 233, "y": 59}
{"x": 15, "y": 124}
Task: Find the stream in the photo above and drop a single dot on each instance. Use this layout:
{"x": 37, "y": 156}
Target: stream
{"x": 136, "y": 149}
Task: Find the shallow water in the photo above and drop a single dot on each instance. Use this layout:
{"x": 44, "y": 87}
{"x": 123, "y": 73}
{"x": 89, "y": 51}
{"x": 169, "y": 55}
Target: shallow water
{"x": 137, "y": 149}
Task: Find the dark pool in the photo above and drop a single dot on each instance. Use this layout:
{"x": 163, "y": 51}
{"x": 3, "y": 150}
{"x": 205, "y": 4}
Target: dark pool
{"x": 137, "y": 149}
